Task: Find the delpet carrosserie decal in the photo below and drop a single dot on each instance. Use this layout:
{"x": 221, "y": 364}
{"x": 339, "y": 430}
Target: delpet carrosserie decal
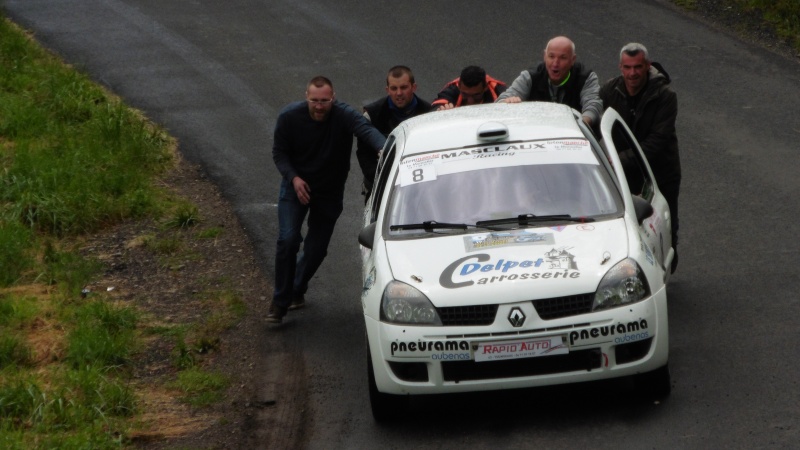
{"x": 480, "y": 269}
{"x": 506, "y": 239}
{"x": 436, "y": 350}
{"x": 620, "y": 333}
{"x": 560, "y": 259}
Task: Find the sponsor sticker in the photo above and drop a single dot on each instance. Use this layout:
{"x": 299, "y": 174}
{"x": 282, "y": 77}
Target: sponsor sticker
{"x": 506, "y": 239}
{"x": 528, "y": 348}
{"x": 621, "y": 333}
{"x": 446, "y": 350}
{"x": 413, "y": 172}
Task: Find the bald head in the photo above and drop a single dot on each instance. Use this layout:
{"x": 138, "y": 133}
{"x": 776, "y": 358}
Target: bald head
{"x": 559, "y": 56}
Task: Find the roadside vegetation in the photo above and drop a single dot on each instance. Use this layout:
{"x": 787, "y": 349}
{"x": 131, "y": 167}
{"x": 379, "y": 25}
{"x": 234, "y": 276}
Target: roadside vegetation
{"x": 781, "y": 17}
{"x": 75, "y": 161}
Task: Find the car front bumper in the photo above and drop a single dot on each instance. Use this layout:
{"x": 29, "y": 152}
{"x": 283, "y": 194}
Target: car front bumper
{"x": 605, "y": 344}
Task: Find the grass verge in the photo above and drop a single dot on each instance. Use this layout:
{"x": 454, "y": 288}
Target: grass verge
{"x": 780, "y": 17}
{"x": 76, "y": 162}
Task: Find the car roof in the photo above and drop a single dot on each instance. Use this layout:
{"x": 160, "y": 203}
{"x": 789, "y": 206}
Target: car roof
{"x": 458, "y": 127}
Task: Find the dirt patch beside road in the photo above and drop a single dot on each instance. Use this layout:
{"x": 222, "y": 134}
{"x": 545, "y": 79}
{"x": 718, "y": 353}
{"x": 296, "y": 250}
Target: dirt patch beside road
{"x": 172, "y": 290}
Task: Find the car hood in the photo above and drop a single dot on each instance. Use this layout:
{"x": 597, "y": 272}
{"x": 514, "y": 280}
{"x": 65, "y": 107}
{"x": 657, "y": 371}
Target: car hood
{"x": 509, "y": 266}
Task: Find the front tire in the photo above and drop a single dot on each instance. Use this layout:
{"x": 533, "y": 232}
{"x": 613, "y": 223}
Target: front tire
{"x": 654, "y": 385}
{"x": 385, "y": 407}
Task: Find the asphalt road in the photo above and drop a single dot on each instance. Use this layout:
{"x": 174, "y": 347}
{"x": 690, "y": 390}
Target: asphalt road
{"x": 216, "y": 73}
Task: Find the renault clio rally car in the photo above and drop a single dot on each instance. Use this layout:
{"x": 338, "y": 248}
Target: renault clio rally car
{"x": 505, "y": 246}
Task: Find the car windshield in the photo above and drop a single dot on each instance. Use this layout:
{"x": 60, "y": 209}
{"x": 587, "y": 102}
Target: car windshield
{"x": 528, "y": 184}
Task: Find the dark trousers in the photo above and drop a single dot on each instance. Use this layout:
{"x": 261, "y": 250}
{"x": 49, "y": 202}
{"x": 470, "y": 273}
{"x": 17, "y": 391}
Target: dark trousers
{"x": 293, "y": 271}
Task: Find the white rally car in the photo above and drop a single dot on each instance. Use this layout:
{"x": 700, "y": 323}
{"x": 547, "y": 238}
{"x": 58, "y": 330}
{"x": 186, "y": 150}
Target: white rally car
{"x": 505, "y": 246}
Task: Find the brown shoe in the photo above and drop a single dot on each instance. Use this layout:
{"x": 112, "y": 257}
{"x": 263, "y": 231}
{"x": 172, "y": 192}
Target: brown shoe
{"x": 276, "y": 313}
{"x": 297, "y": 303}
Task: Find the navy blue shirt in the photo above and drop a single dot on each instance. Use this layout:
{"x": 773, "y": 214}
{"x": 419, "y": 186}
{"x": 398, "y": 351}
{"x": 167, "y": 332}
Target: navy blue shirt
{"x": 319, "y": 152}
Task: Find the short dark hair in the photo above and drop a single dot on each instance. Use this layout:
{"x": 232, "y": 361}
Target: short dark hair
{"x": 472, "y": 76}
{"x": 399, "y": 71}
{"x": 319, "y": 81}
{"x": 633, "y": 49}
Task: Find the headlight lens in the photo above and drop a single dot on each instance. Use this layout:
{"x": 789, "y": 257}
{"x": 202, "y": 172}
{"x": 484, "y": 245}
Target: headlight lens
{"x": 623, "y": 284}
{"x": 405, "y": 304}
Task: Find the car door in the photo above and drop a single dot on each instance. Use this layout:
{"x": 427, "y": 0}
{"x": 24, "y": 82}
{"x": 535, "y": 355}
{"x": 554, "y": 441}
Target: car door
{"x": 636, "y": 179}
{"x": 373, "y": 209}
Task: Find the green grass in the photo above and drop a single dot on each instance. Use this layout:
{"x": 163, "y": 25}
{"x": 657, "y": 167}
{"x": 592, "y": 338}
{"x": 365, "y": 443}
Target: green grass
{"x": 210, "y": 233}
{"x": 200, "y": 387}
{"x": 780, "y": 16}
{"x": 104, "y": 336}
{"x": 16, "y": 311}
{"x": 74, "y": 160}
{"x": 14, "y": 352}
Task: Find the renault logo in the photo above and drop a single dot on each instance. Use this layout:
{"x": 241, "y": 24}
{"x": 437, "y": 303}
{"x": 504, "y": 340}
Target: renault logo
{"x": 516, "y": 317}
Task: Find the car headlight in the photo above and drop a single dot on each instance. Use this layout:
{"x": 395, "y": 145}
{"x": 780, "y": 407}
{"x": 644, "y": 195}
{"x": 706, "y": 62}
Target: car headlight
{"x": 405, "y": 304}
{"x": 623, "y": 284}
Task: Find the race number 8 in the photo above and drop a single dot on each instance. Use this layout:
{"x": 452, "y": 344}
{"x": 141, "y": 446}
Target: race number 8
{"x": 417, "y": 174}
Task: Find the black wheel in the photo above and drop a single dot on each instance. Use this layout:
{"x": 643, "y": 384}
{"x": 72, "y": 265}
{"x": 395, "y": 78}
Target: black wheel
{"x": 654, "y": 385}
{"x": 385, "y": 407}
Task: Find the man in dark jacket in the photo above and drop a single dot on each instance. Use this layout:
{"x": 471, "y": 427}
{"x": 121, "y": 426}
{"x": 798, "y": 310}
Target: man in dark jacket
{"x": 311, "y": 149}
{"x": 387, "y": 113}
{"x": 642, "y": 96}
{"x": 473, "y": 87}
{"x": 559, "y": 79}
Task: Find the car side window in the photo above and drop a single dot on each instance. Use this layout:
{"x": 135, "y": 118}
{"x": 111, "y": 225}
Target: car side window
{"x": 382, "y": 176}
{"x": 634, "y": 167}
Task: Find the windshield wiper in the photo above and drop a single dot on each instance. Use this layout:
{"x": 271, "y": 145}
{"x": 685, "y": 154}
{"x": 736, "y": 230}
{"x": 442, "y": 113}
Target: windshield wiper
{"x": 429, "y": 225}
{"x": 526, "y": 219}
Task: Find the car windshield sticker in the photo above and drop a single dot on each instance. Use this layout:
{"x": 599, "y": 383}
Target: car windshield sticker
{"x": 425, "y": 167}
{"x": 418, "y": 169}
{"x": 506, "y": 239}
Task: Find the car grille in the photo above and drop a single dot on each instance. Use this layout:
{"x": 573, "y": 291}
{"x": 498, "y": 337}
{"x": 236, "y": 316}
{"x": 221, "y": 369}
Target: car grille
{"x": 547, "y": 308}
{"x": 574, "y": 361}
{"x": 467, "y": 315}
{"x": 557, "y": 307}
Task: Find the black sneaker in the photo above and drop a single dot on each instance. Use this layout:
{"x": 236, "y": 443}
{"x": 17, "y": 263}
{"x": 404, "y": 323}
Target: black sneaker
{"x": 276, "y": 313}
{"x": 297, "y": 303}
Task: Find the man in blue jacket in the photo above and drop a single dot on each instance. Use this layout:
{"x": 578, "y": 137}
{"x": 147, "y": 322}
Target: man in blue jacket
{"x": 311, "y": 149}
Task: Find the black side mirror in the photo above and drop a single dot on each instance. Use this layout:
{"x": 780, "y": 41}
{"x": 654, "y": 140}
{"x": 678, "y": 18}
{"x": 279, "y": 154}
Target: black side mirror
{"x": 367, "y": 235}
{"x": 643, "y": 209}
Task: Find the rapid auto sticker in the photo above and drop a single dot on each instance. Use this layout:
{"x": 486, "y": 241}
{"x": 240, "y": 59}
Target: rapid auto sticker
{"x": 481, "y": 269}
{"x": 528, "y": 348}
{"x": 426, "y": 167}
{"x": 506, "y": 239}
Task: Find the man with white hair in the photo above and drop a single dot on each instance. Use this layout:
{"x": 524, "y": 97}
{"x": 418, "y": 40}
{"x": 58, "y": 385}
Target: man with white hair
{"x": 560, "y": 79}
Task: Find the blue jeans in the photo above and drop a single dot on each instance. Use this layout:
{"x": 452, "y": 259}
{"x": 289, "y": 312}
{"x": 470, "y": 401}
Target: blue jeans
{"x": 293, "y": 271}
